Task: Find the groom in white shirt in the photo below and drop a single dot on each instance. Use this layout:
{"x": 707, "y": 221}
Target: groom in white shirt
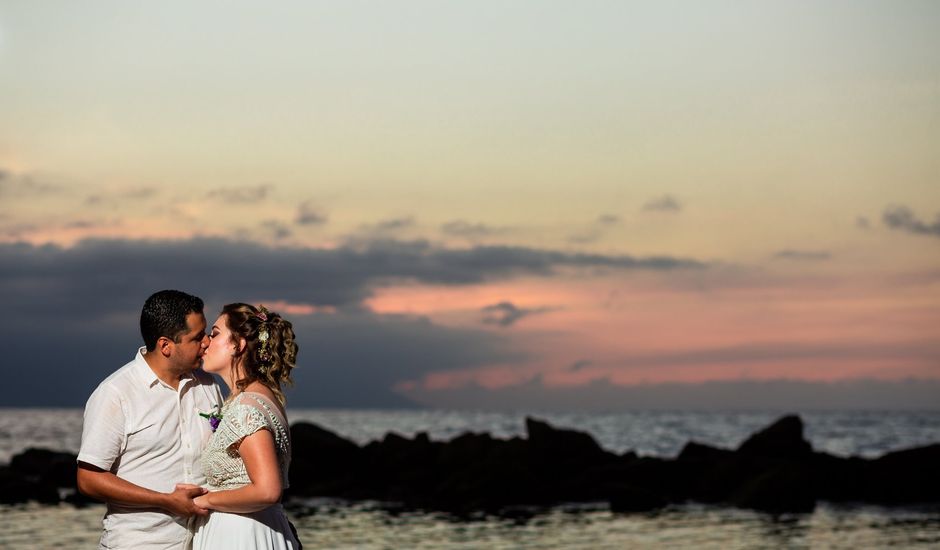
{"x": 143, "y": 435}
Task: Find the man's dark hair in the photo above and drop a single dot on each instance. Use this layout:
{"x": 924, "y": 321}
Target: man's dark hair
{"x": 164, "y": 314}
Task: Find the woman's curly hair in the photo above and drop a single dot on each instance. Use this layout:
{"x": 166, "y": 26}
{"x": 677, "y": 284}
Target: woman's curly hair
{"x": 269, "y": 359}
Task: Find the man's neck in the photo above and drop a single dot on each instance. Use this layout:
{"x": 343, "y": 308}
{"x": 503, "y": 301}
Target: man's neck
{"x": 163, "y": 371}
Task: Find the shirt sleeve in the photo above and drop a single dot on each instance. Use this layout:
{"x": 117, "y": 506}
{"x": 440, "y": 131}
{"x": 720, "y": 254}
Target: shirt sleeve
{"x": 102, "y": 429}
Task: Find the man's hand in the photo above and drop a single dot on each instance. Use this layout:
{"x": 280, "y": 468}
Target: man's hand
{"x": 180, "y": 501}
{"x": 103, "y": 485}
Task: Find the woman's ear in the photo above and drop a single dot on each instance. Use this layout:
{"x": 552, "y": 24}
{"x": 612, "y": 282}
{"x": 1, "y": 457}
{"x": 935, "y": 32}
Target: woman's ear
{"x": 242, "y": 344}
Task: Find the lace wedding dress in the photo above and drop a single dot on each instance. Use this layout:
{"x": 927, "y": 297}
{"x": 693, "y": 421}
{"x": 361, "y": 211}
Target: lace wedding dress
{"x": 224, "y": 469}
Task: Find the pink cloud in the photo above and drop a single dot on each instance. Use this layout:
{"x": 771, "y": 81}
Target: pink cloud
{"x": 289, "y": 308}
{"x": 635, "y": 331}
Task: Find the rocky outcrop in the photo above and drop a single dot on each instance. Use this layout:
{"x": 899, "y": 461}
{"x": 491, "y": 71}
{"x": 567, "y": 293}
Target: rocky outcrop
{"x": 37, "y": 474}
{"x": 775, "y": 470}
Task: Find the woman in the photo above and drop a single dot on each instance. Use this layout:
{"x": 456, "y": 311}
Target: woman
{"x": 247, "y": 457}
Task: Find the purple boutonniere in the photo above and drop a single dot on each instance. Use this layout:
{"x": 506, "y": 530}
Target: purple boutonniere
{"x": 214, "y": 417}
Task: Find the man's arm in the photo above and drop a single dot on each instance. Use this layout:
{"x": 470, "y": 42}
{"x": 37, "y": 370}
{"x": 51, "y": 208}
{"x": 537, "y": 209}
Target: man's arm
{"x": 103, "y": 485}
{"x": 102, "y": 438}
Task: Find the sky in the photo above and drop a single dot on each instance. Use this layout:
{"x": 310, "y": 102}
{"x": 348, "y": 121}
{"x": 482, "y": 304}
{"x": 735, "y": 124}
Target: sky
{"x": 498, "y": 205}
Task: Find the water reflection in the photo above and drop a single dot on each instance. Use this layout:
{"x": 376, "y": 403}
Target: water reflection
{"x": 785, "y": 531}
{"x": 333, "y": 524}
{"x": 687, "y": 526}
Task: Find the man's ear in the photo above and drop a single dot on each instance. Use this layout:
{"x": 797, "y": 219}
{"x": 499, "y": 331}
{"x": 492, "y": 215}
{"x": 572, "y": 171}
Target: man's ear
{"x": 165, "y": 345}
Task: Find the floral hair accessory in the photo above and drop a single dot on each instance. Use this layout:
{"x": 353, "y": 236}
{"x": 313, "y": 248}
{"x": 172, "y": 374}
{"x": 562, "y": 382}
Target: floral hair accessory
{"x": 264, "y": 354}
{"x": 214, "y": 417}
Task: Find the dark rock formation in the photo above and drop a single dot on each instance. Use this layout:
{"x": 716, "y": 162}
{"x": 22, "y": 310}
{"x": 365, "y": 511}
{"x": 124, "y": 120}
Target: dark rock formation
{"x": 36, "y": 474}
{"x": 775, "y": 470}
{"x": 782, "y": 439}
{"x": 54, "y": 467}
{"x": 16, "y": 488}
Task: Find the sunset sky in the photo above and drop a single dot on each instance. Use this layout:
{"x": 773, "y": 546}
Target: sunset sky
{"x": 484, "y": 204}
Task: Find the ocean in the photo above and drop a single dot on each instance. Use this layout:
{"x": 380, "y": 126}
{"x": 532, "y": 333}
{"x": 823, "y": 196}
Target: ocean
{"x": 324, "y": 523}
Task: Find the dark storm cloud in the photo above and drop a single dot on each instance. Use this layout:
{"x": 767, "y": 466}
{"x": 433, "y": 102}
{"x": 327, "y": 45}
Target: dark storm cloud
{"x": 242, "y": 194}
{"x": 803, "y": 255}
{"x": 307, "y": 214}
{"x": 354, "y": 360}
{"x": 72, "y": 313}
{"x": 665, "y": 203}
{"x": 336, "y": 277}
{"x": 345, "y": 360}
{"x": 902, "y": 218}
{"x": 506, "y": 314}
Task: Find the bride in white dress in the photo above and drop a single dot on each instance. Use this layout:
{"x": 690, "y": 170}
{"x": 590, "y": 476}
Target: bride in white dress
{"x": 247, "y": 458}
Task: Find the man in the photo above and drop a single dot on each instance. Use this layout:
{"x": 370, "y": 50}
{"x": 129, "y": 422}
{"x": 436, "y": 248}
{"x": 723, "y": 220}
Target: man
{"x": 143, "y": 435}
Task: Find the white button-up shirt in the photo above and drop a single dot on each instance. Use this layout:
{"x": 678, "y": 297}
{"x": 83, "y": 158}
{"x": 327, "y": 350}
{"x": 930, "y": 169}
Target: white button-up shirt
{"x": 151, "y": 435}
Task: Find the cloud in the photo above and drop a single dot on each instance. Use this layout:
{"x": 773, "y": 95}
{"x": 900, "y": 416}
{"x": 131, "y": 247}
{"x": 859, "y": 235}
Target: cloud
{"x": 356, "y": 359}
{"x": 506, "y": 314}
{"x": 25, "y": 186}
{"x": 465, "y": 229}
{"x": 307, "y": 214}
{"x": 278, "y": 230}
{"x": 91, "y": 224}
{"x": 345, "y": 360}
{"x": 760, "y": 395}
{"x": 862, "y": 222}
{"x": 585, "y": 238}
{"x": 242, "y": 194}
{"x": 395, "y": 224}
{"x": 803, "y": 255}
{"x": 76, "y": 308}
{"x": 340, "y": 277}
{"x": 580, "y": 365}
{"x": 76, "y": 312}
{"x": 665, "y": 203}
{"x": 381, "y": 230}
{"x": 133, "y": 194}
{"x": 596, "y": 231}
{"x": 925, "y": 352}
{"x": 903, "y": 219}
{"x": 19, "y": 230}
